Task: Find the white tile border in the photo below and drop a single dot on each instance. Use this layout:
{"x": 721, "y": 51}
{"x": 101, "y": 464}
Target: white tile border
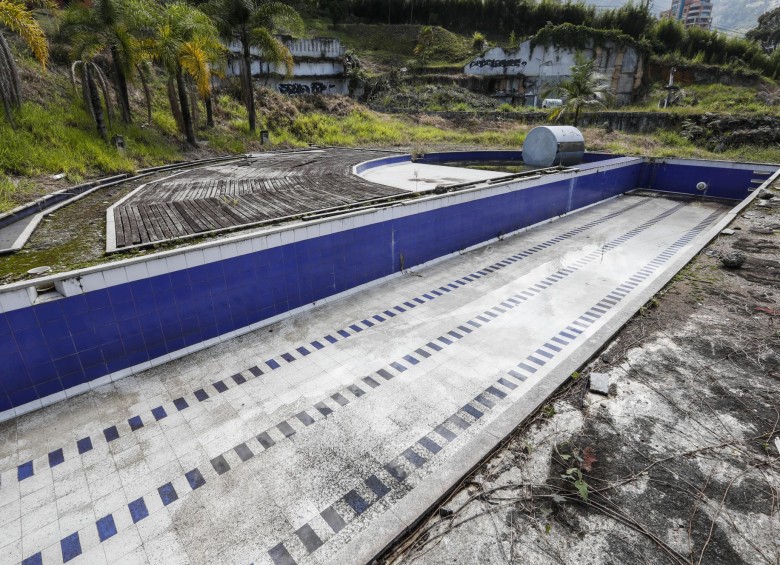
{"x": 747, "y": 166}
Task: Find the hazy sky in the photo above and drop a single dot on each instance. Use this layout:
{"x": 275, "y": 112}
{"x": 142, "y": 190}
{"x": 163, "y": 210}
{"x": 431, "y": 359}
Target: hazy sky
{"x": 727, "y": 14}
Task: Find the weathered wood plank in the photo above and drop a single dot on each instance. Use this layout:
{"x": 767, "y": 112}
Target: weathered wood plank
{"x": 221, "y": 196}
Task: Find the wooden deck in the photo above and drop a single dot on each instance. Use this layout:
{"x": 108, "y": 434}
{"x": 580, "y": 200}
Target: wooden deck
{"x": 263, "y": 188}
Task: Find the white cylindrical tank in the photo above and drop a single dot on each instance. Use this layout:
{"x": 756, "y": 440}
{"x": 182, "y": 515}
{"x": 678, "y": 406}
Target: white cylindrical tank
{"x": 546, "y": 146}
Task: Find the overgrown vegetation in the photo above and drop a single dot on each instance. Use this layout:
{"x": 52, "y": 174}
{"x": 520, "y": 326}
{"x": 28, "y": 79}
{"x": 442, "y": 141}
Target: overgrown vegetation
{"x": 581, "y": 37}
{"x": 701, "y": 46}
{"x": 671, "y": 144}
{"x": 438, "y": 98}
{"x": 585, "y": 89}
{"x": 61, "y": 140}
{"x": 524, "y": 17}
{"x": 390, "y": 46}
{"x": 716, "y": 98}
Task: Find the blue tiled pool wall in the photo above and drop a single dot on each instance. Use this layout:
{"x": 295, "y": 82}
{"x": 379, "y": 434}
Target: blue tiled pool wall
{"x": 724, "y": 180}
{"x": 381, "y": 162}
{"x": 57, "y": 345}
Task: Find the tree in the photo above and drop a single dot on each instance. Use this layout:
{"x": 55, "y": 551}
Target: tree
{"x": 767, "y": 33}
{"x": 669, "y": 34}
{"x": 109, "y": 26}
{"x": 338, "y": 10}
{"x": 584, "y": 89}
{"x": 18, "y": 18}
{"x": 252, "y": 24}
{"x": 93, "y": 83}
{"x": 479, "y": 41}
{"x": 185, "y": 42}
{"x": 424, "y": 47}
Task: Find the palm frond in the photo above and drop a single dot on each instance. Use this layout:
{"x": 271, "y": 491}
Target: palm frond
{"x": 585, "y": 88}
{"x": 277, "y": 17}
{"x": 85, "y": 45}
{"x": 194, "y": 61}
{"x": 124, "y": 48}
{"x": 21, "y": 21}
{"x": 274, "y": 51}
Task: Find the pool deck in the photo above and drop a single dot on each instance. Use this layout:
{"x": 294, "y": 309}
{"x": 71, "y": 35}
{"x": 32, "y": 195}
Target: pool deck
{"x": 319, "y": 439}
{"x": 420, "y": 176}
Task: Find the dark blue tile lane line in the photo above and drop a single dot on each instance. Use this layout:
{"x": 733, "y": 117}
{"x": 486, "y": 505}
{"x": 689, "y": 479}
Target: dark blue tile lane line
{"x": 399, "y": 468}
{"x": 106, "y": 526}
{"x": 524, "y": 370}
{"x": 201, "y": 395}
{"x": 486, "y": 401}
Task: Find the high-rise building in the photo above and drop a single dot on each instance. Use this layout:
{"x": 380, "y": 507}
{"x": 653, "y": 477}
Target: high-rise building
{"x": 692, "y": 13}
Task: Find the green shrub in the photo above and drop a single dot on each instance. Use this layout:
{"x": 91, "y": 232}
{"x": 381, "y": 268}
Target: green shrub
{"x": 672, "y": 139}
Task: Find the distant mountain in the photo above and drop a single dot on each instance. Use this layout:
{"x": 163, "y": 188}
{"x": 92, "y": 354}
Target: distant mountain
{"x": 728, "y": 15}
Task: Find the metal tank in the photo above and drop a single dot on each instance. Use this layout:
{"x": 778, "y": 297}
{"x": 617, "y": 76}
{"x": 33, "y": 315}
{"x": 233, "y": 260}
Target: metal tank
{"x": 546, "y": 146}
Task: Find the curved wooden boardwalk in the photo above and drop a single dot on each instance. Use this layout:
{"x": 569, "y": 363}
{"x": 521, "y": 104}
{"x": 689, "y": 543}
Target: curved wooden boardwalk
{"x": 264, "y": 187}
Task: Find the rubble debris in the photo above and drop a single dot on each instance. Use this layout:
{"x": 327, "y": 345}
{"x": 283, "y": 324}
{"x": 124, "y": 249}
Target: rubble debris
{"x": 733, "y": 259}
{"x": 599, "y": 383}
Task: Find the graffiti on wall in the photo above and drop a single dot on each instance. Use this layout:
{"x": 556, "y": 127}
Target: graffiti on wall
{"x": 293, "y": 88}
{"x": 495, "y": 63}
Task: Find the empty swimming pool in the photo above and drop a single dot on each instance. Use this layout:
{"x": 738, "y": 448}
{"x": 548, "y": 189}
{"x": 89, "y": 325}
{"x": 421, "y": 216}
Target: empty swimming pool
{"x": 224, "y": 405}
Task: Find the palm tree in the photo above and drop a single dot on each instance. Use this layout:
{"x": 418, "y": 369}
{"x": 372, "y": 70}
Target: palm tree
{"x": 584, "y": 89}
{"x": 185, "y": 42}
{"x": 18, "y": 18}
{"x": 253, "y": 23}
{"x": 109, "y": 26}
{"x": 93, "y": 83}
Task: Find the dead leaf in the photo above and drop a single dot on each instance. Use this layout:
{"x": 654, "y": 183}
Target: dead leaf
{"x": 588, "y": 458}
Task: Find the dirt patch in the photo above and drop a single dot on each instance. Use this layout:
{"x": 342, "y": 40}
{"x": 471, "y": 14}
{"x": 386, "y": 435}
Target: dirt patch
{"x": 335, "y": 105}
{"x": 679, "y": 464}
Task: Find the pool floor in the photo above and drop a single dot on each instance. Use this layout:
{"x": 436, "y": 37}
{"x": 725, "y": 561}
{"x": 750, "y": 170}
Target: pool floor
{"x": 320, "y": 438}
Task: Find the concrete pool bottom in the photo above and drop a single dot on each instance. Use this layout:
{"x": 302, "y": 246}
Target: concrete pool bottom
{"x": 340, "y": 468}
